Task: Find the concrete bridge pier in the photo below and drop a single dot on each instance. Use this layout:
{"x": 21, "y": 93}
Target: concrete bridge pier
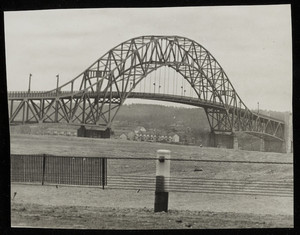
{"x": 272, "y": 146}
{"x": 94, "y": 132}
{"x": 267, "y": 145}
{"x": 224, "y": 140}
{"x": 235, "y": 142}
{"x": 262, "y": 145}
{"x": 288, "y": 133}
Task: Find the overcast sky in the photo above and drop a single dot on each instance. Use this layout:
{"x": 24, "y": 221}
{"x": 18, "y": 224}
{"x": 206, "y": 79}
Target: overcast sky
{"x": 253, "y": 44}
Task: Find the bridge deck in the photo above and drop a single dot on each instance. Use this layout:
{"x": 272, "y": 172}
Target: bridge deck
{"x": 36, "y": 95}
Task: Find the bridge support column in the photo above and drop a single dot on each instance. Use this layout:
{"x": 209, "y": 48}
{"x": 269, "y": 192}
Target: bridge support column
{"x": 235, "y": 142}
{"x": 228, "y": 141}
{"x": 212, "y": 139}
{"x": 262, "y": 145}
{"x": 287, "y": 146}
{"x": 271, "y": 146}
{"x": 93, "y": 132}
{"x": 81, "y": 131}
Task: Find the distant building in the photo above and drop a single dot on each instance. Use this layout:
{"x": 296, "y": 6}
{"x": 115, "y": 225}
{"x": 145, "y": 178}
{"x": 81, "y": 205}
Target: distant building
{"x": 175, "y": 138}
{"x": 140, "y": 129}
{"x": 151, "y": 135}
{"x": 93, "y": 132}
{"x": 123, "y": 137}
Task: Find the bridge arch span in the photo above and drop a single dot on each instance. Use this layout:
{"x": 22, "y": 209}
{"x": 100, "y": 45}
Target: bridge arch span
{"x": 146, "y": 54}
{"x": 134, "y": 59}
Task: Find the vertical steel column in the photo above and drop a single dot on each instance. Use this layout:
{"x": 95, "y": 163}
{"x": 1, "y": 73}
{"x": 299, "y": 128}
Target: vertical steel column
{"x": 110, "y": 99}
{"x": 11, "y": 107}
{"x": 23, "y": 116}
{"x": 41, "y": 109}
{"x": 71, "y": 101}
{"x": 29, "y": 83}
{"x": 57, "y": 83}
{"x": 84, "y": 97}
{"x": 56, "y": 110}
{"x": 56, "y": 99}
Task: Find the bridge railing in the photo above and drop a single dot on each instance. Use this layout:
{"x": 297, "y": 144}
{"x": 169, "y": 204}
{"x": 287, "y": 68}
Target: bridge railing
{"x": 24, "y": 94}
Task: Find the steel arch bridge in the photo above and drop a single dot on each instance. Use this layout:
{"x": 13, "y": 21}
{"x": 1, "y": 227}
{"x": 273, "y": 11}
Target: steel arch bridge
{"x": 94, "y": 97}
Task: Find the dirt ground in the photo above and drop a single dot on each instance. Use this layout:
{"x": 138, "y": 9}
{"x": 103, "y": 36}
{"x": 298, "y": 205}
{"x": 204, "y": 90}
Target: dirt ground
{"x": 84, "y": 217}
{"x": 94, "y": 208}
{"x": 73, "y": 207}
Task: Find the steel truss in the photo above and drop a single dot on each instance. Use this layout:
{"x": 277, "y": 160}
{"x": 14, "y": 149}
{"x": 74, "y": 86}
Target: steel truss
{"x": 95, "y": 96}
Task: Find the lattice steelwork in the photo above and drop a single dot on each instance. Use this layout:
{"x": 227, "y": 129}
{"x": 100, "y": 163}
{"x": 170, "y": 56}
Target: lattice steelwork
{"x": 95, "y": 96}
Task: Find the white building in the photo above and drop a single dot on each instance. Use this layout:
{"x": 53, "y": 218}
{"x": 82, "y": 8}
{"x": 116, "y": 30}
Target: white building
{"x": 175, "y": 138}
{"x": 123, "y": 137}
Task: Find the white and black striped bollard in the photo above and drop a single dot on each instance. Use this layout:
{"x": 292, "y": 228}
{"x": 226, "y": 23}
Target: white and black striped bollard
{"x": 162, "y": 180}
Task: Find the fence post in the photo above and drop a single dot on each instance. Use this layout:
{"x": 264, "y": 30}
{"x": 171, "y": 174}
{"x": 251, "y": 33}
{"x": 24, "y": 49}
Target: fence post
{"x": 162, "y": 180}
{"x": 44, "y": 168}
{"x": 103, "y": 160}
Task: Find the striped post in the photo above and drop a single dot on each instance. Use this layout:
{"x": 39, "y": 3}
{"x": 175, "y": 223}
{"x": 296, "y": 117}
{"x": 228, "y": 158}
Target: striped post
{"x": 162, "y": 180}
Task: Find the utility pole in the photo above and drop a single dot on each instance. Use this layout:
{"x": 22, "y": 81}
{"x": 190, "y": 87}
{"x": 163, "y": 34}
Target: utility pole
{"x": 29, "y": 82}
{"x": 257, "y": 107}
{"x": 57, "y": 82}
